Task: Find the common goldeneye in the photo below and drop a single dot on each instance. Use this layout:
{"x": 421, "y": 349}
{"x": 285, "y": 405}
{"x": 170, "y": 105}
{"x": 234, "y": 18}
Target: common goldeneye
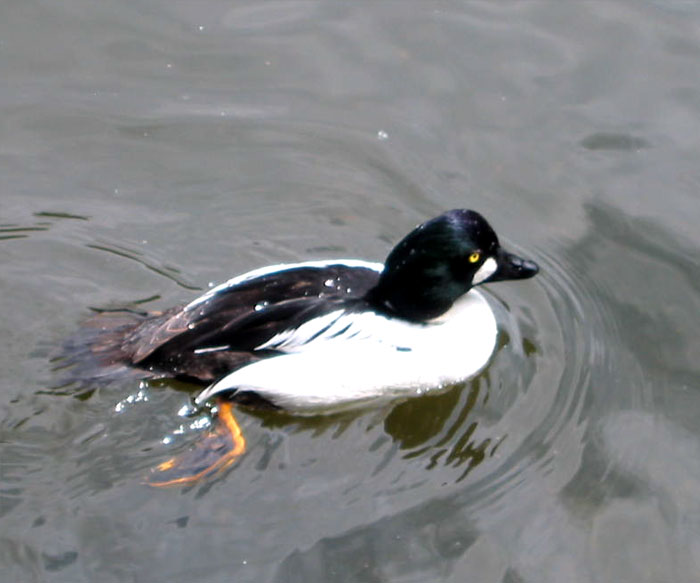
{"x": 323, "y": 335}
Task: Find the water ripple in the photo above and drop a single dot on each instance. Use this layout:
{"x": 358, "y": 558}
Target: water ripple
{"x": 170, "y": 273}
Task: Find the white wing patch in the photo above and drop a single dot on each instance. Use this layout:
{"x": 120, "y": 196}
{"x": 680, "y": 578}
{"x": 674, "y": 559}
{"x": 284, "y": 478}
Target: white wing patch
{"x": 315, "y": 329}
{"x": 212, "y": 349}
{"x": 336, "y": 326}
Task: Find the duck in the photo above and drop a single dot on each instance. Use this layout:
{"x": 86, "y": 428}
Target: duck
{"x": 317, "y": 336}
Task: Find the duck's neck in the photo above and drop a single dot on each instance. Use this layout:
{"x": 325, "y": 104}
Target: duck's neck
{"x": 416, "y": 299}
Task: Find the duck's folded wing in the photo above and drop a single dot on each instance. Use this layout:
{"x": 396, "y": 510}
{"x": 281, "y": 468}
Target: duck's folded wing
{"x": 247, "y": 312}
{"x": 207, "y": 354}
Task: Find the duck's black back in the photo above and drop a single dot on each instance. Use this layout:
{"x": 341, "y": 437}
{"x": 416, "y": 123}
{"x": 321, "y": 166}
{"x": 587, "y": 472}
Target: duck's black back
{"x": 240, "y": 317}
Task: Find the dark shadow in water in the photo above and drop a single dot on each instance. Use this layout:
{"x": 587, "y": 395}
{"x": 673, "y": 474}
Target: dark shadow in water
{"x": 425, "y": 540}
{"x": 13, "y": 231}
{"x": 650, "y": 281}
{"x": 436, "y": 425}
{"x": 61, "y": 215}
{"x": 611, "y": 141}
{"x": 171, "y": 273}
{"x": 9, "y": 232}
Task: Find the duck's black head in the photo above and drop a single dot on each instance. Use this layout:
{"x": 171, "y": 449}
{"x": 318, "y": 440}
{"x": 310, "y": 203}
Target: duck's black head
{"x": 441, "y": 260}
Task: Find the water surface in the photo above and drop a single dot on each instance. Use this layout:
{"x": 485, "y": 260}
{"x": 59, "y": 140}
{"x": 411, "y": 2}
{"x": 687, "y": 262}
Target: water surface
{"x": 150, "y": 150}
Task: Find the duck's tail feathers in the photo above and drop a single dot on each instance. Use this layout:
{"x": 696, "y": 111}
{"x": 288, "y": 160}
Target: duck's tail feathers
{"x": 97, "y": 353}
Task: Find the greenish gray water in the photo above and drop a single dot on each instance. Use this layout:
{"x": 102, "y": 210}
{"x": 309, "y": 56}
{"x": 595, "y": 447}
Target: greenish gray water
{"x": 150, "y": 149}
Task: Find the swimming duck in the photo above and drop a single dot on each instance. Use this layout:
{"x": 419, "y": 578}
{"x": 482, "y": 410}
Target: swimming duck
{"x": 323, "y": 335}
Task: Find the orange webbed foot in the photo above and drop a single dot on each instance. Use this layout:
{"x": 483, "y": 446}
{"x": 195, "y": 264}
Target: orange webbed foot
{"x": 221, "y": 447}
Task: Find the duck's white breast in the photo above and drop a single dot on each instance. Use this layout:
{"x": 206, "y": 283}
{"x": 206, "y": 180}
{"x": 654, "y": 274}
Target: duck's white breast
{"x": 373, "y": 357}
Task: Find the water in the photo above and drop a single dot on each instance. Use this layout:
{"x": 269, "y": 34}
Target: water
{"x": 150, "y": 149}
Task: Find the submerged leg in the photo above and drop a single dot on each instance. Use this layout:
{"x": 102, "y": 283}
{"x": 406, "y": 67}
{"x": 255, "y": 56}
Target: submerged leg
{"x": 217, "y": 450}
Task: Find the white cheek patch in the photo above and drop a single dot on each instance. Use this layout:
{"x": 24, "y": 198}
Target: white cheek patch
{"x": 485, "y": 271}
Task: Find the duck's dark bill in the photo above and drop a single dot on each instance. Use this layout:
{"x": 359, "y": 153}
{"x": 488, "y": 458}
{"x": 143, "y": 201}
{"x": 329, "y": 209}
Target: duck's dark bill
{"x": 511, "y": 266}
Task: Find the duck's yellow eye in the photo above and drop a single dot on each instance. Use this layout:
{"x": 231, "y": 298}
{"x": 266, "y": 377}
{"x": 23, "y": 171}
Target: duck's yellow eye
{"x": 474, "y": 257}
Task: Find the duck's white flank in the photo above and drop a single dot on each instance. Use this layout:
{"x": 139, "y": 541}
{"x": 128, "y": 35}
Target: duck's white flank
{"x": 378, "y": 267}
{"x": 344, "y": 360}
